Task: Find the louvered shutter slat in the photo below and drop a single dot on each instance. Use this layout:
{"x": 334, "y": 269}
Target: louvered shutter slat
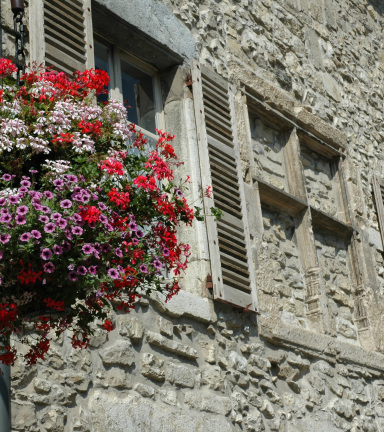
{"x": 231, "y": 264}
{"x": 67, "y": 36}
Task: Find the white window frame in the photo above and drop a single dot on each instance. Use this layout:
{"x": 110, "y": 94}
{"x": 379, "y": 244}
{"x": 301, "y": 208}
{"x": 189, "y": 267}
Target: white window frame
{"x": 115, "y": 92}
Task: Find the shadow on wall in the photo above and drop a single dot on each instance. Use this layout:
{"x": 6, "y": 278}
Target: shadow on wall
{"x": 378, "y": 5}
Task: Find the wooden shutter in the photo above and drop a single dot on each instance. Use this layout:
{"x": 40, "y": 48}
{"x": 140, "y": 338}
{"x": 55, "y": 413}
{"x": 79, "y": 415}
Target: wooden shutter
{"x": 61, "y": 34}
{"x": 231, "y": 264}
{"x": 378, "y": 192}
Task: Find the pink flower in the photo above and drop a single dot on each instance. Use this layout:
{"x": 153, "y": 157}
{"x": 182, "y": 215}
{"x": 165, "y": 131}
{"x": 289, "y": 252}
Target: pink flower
{"x": 36, "y": 234}
{"x": 72, "y": 276}
{"x": 20, "y": 220}
{"x": 49, "y": 267}
{"x": 25, "y": 237}
{"x": 4, "y": 238}
{"x": 46, "y": 254}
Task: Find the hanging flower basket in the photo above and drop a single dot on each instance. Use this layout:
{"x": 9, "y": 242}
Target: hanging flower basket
{"x": 88, "y": 215}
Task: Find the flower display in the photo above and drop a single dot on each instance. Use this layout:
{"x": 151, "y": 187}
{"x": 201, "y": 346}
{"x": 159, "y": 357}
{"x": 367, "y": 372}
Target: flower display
{"x": 88, "y": 213}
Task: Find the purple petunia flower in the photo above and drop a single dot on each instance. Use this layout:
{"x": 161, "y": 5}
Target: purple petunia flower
{"x": 25, "y": 237}
{"x": 45, "y": 209}
{"x": 46, "y": 254}
{"x": 132, "y": 226}
{"x": 33, "y": 171}
{"x": 97, "y": 247}
{"x": 157, "y": 264}
{"x": 37, "y": 207}
{"x": 103, "y": 219}
{"x": 57, "y": 250}
{"x": 56, "y": 216}
{"x": 48, "y": 194}
{"x": 165, "y": 251}
{"x": 76, "y": 217}
{"x": 22, "y": 210}
{"x": 66, "y": 203}
{"x": 23, "y": 190}
{"x": 135, "y": 241}
{"x": 2, "y": 201}
{"x": 58, "y": 182}
{"x": 25, "y": 183}
{"x": 49, "y": 267}
{"x": 4, "y": 238}
{"x": 143, "y": 268}
{"x": 105, "y": 248}
{"x": 92, "y": 224}
{"x": 94, "y": 197}
{"x": 7, "y": 177}
{"x": 109, "y": 227}
{"x": 82, "y": 270}
{"x": 4, "y": 211}
{"x": 102, "y": 206}
{"x": 77, "y": 230}
{"x": 72, "y": 276}
{"x": 139, "y": 233}
{"x": 71, "y": 267}
{"x": 93, "y": 269}
{"x": 119, "y": 252}
{"x": 72, "y": 178}
{"x": 44, "y": 219}
{"x": 66, "y": 245}
{"x": 120, "y": 268}
{"x": 113, "y": 273}
{"x": 87, "y": 248}
{"x": 6, "y": 218}
{"x": 13, "y": 199}
{"x": 36, "y": 234}
{"x": 20, "y": 220}
{"x": 49, "y": 227}
{"x": 62, "y": 223}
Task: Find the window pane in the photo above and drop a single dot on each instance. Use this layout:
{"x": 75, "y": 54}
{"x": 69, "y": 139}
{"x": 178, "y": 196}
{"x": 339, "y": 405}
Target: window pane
{"x": 102, "y": 62}
{"x": 138, "y": 96}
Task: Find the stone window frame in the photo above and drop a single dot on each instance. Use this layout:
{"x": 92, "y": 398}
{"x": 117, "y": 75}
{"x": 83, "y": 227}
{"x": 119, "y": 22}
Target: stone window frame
{"x": 296, "y": 203}
{"x": 116, "y": 53}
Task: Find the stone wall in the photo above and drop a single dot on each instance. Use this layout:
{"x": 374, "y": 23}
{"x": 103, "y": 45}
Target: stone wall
{"x": 198, "y": 365}
{"x": 209, "y": 371}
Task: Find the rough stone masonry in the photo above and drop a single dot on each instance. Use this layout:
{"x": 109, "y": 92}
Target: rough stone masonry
{"x": 313, "y": 360}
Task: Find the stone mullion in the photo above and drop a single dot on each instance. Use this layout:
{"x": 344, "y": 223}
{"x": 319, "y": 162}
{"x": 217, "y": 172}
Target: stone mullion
{"x": 315, "y": 299}
{"x": 357, "y": 264}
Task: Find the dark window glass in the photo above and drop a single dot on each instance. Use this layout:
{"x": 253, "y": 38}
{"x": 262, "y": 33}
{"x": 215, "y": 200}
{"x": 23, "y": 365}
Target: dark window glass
{"x": 138, "y": 96}
{"x": 101, "y": 62}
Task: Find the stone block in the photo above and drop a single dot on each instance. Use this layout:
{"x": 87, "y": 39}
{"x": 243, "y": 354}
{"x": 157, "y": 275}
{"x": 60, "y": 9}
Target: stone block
{"x": 41, "y": 386}
{"x": 212, "y": 378}
{"x": 165, "y": 326}
{"x": 131, "y": 327}
{"x": 120, "y": 353}
{"x": 145, "y": 390}
{"x": 23, "y": 416}
{"x": 171, "y": 346}
{"x": 187, "y": 304}
{"x": 205, "y": 402}
{"x": 77, "y": 380}
{"x": 180, "y": 375}
{"x": 209, "y": 352}
{"x": 152, "y": 367}
{"x": 117, "y": 378}
{"x": 52, "y": 419}
{"x": 168, "y": 397}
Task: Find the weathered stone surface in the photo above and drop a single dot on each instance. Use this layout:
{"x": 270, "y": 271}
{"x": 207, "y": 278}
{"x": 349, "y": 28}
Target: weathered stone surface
{"x": 165, "y": 326}
{"x": 187, "y": 304}
{"x": 120, "y": 353}
{"x": 152, "y": 367}
{"x": 145, "y": 390}
{"x": 78, "y": 380}
{"x": 115, "y": 377}
{"x": 23, "y": 416}
{"x": 131, "y": 327}
{"x": 206, "y": 402}
{"x": 172, "y": 346}
{"x": 180, "y": 375}
{"x": 114, "y": 414}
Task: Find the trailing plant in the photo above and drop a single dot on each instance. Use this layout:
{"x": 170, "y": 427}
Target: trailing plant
{"x": 88, "y": 211}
